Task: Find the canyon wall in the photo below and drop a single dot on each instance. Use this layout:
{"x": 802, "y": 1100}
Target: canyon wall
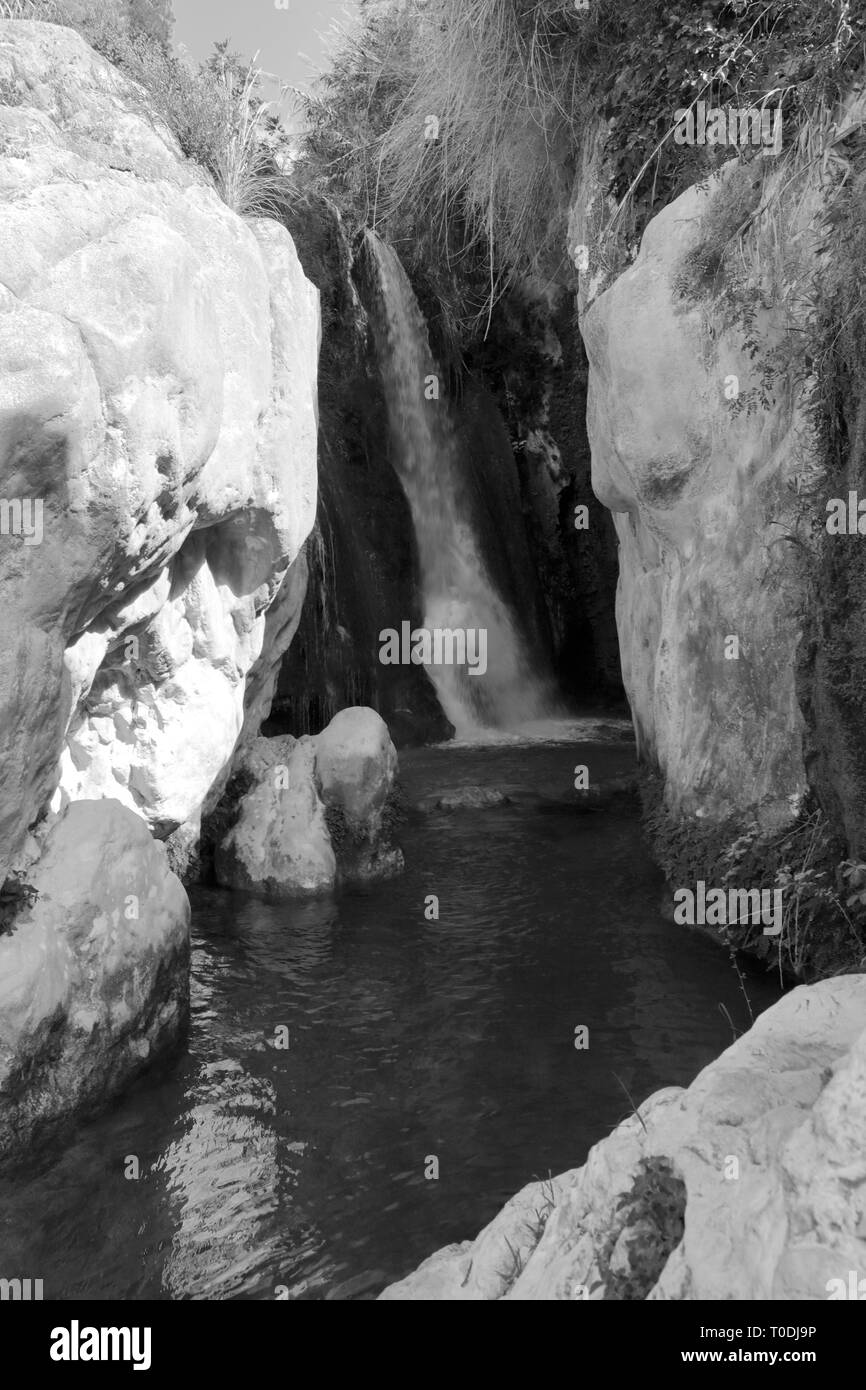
{"x": 737, "y": 613}
{"x": 711, "y": 598}
{"x": 540, "y": 379}
{"x": 158, "y": 417}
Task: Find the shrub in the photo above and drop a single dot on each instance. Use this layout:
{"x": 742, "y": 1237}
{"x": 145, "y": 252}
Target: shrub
{"x": 217, "y": 117}
{"x": 214, "y": 111}
{"x": 243, "y": 167}
{"x": 515, "y": 85}
{"x": 46, "y": 10}
{"x": 824, "y": 911}
{"x": 151, "y": 19}
{"x": 653, "y": 1223}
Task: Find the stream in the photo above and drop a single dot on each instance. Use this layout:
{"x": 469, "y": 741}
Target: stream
{"x": 299, "y": 1171}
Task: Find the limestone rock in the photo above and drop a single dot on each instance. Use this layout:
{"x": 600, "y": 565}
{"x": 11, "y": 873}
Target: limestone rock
{"x": 315, "y": 811}
{"x": 93, "y": 972}
{"x": 703, "y": 496}
{"x": 750, "y": 1184}
{"x": 279, "y": 846}
{"x": 158, "y": 400}
{"x": 158, "y": 420}
{"x": 356, "y": 762}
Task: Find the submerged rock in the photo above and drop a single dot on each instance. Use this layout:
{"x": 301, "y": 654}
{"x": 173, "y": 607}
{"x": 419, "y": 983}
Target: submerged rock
{"x": 597, "y": 797}
{"x": 463, "y": 799}
{"x": 600, "y": 795}
{"x": 93, "y": 969}
{"x": 316, "y": 811}
{"x": 748, "y": 1184}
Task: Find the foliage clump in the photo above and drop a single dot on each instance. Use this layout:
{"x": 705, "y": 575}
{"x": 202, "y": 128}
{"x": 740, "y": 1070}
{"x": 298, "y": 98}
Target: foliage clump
{"x": 823, "y": 887}
{"x": 652, "y": 1224}
{"x": 455, "y": 127}
{"x": 214, "y": 110}
{"x": 16, "y": 895}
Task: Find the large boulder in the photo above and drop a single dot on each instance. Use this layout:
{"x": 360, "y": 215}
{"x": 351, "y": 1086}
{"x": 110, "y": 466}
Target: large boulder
{"x": 356, "y": 764}
{"x": 93, "y": 968}
{"x": 158, "y": 402}
{"x": 315, "y": 812}
{"x": 750, "y": 1184}
{"x": 279, "y": 846}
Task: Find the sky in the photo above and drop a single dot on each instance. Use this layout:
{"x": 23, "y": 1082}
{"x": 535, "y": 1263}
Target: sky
{"x": 280, "y": 36}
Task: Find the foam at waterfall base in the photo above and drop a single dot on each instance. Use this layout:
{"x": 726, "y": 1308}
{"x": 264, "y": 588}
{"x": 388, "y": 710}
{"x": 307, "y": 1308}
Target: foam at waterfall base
{"x": 576, "y": 729}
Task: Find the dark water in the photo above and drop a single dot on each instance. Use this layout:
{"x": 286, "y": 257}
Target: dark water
{"x": 408, "y": 1038}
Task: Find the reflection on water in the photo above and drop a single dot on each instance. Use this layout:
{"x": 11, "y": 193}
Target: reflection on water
{"x": 303, "y": 1168}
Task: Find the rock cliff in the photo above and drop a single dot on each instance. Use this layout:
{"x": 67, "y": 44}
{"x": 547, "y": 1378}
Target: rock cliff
{"x": 710, "y": 597}
{"x": 158, "y": 359}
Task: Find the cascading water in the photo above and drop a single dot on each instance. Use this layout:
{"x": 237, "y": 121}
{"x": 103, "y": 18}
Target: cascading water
{"x": 457, "y": 591}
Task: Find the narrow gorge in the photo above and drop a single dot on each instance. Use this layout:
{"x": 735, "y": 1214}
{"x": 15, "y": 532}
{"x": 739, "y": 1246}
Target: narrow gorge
{"x": 432, "y": 656}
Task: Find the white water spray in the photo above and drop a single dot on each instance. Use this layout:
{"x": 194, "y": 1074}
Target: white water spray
{"x": 457, "y": 590}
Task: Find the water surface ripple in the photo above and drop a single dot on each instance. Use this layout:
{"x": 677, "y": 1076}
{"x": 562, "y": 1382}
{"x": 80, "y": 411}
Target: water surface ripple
{"x": 304, "y": 1168}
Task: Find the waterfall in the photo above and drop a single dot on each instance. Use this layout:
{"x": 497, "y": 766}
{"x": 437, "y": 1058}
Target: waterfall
{"x": 457, "y": 590}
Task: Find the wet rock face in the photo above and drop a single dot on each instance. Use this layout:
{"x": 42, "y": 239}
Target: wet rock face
{"x": 363, "y": 568}
{"x": 746, "y": 1185}
{"x": 565, "y": 582}
{"x": 93, "y": 969}
{"x": 158, "y": 404}
{"x": 710, "y": 593}
{"x": 315, "y": 812}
